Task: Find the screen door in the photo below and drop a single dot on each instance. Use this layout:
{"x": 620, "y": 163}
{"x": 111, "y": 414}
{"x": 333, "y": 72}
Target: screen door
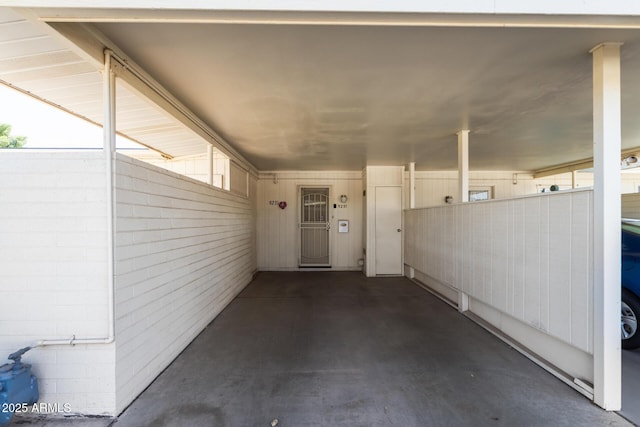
{"x": 314, "y": 227}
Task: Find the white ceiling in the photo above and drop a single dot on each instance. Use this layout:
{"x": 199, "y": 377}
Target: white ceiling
{"x": 339, "y": 97}
{"x": 342, "y": 97}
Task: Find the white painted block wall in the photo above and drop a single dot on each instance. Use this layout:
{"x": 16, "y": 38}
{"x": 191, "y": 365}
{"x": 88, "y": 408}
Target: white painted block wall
{"x": 53, "y": 280}
{"x": 433, "y": 186}
{"x": 196, "y": 167}
{"x": 528, "y": 258}
{"x": 631, "y": 205}
{"x": 184, "y": 250}
{"x": 277, "y": 238}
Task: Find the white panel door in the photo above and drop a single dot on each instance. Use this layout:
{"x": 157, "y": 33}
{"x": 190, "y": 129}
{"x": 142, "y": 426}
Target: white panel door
{"x": 388, "y": 230}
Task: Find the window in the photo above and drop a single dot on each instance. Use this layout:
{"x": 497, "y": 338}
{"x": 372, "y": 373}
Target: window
{"x": 475, "y": 195}
{"x": 480, "y": 193}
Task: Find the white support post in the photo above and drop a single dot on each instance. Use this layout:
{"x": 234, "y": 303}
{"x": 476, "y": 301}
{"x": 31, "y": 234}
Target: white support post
{"x": 109, "y": 141}
{"x": 607, "y": 137}
{"x": 574, "y": 177}
{"x": 210, "y": 165}
{"x": 109, "y": 107}
{"x": 463, "y": 166}
{"x": 109, "y": 148}
{"x": 412, "y": 185}
{"x": 463, "y": 194}
{"x": 412, "y": 201}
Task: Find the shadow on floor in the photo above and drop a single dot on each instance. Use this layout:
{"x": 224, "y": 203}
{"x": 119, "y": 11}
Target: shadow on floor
{"x": 631, "y": 385}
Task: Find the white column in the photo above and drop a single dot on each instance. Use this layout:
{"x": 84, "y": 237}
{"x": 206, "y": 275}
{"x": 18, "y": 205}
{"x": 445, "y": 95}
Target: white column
{"x": 412, "y": 201}
{"x": 210, "y": 164}
{"x": 109, "y": 148}
{"x": 574, "y": 183}
{"x": 412, "y": 185}
{"x": 606, "y": 226}
{"x": 463, "y": 194}
{"x": 463, "y": 166}
{"x": 109, "y": 107}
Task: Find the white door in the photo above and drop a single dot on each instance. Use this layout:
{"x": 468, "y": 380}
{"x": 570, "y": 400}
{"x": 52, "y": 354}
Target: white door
{"x": 388, "y": 230}
{"x": 314, "y": 227}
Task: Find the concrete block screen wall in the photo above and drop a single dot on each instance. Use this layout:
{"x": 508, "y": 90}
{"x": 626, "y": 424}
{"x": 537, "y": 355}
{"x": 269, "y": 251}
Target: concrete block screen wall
{"x": 631, "y": 205}
{"x": 53, "y": 240}
{"x": 183, "y": 250}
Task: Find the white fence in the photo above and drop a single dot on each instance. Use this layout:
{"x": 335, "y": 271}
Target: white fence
{"x": 529, "y": 258}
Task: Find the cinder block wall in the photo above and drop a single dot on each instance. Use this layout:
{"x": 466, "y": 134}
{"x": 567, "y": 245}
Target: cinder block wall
{"x": 631, "y": 205}
{"x": 184, "y": 250}
{"x": 53, "y": 273}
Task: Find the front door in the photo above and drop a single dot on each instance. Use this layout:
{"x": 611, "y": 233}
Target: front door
{"x": 314, "y": 227}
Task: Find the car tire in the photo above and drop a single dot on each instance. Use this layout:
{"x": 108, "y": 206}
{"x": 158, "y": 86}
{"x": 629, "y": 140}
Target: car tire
{"x": 630, "y": 313}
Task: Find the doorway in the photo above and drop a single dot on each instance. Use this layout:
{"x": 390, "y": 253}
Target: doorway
{"x": 314, "y": 227}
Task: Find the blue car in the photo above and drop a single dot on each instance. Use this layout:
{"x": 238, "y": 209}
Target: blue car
{"x": 630, "y": 305}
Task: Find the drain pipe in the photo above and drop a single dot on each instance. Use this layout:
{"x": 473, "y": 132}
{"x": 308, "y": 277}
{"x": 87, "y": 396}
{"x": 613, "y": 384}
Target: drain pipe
{"x": 108, "y": 87}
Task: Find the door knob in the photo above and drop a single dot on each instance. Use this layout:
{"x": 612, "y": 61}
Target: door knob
{"x": 399, "y": 230}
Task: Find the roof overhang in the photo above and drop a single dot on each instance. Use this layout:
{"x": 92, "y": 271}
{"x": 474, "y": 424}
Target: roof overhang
{"x": 338, "y": 85}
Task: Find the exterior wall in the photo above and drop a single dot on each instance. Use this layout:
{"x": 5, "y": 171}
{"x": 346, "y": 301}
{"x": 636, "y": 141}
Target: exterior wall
{"x": 196, "y": 167}
{"x": 238, "y": 179}
{"x": 629, "y": 181}
{"x": 432, "y": 187}
{"x": 277, "y": 238}
{"x": 631, "y": 206}
{"x": 184, "y": 250}
{"x": 523, "y": 262}
{"x": 53, "y": 240}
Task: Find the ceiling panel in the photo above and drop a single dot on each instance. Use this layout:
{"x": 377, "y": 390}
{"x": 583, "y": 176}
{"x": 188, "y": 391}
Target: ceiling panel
{"x": 341, "y": 97}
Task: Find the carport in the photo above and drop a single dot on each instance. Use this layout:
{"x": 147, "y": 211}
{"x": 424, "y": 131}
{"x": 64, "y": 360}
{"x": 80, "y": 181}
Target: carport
{"x": 364, "y": 112}
{"x": 338, "y": 348}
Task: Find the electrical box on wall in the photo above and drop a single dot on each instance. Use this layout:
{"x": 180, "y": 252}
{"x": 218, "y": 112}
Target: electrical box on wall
{"x": 343, "y": 226}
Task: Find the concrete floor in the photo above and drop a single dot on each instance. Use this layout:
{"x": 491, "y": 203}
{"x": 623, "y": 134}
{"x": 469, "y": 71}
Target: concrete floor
{"x": 338, "y": 349}
{"x": 631, "y": 385}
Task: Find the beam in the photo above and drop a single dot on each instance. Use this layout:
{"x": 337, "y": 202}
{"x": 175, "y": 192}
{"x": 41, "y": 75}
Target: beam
{"x": 578, "y": 164}
{"x": 607, "y": 135}
{"x": 285, "y": 12}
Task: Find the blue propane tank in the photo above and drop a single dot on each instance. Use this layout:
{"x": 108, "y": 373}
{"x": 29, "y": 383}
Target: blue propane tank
{"x": 17, "y": 386}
